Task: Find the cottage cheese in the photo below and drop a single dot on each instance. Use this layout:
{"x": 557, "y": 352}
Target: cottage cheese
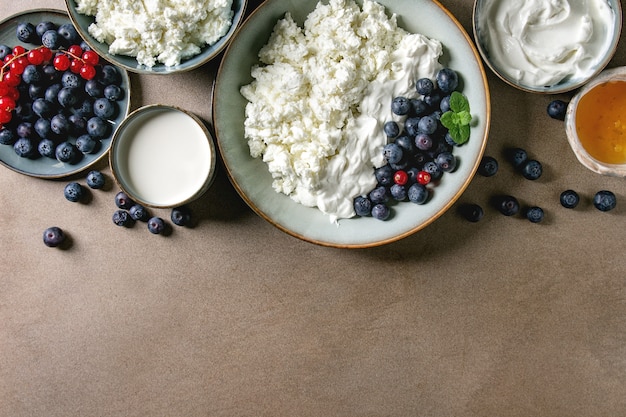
{"x": 318, "y": 103}
{"x": 165, "y": 31}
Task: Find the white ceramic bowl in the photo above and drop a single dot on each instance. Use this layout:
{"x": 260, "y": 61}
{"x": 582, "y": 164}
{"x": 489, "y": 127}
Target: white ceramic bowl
{"x": 590, "y": 158}
{"x": 483, "y": 28}
{"x": 251, "y": 177}
{"x": 82, "y": 22}
{"x": 163, "y": 156}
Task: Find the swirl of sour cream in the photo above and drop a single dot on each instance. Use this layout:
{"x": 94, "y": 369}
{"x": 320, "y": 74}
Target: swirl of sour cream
{"x": 541, "y": 43}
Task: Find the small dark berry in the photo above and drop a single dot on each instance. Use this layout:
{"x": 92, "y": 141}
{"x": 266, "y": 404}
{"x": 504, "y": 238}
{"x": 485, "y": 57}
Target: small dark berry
{"x": 123, "y": 201}
{"x": 122, "y": 218}
{"x": 508, "y": 205}
{"x": 73, "y": 192}
{"x": 488, "y": 166}
{"x": 471, "y": 212}
{"x": 604, "y": 200}
{"x": 557, "y": 109}
{"x": 532, "y": 169}
{"x": 534, "y": 214}
{"x": 156, "y": 225}
{"x": 53, "y": 236}
{"x": 181, "y": 216}
{"x": 569, "y": 199}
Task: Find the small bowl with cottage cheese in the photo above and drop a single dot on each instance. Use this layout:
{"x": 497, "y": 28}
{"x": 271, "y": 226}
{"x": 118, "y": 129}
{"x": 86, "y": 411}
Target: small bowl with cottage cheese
{"x": 544, "y": 46}
{"x": 163, "y": 37}
{"x": 301, "y": 99}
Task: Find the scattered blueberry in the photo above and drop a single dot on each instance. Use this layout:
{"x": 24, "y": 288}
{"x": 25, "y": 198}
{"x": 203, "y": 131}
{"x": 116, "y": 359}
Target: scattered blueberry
{"x": 73, "y": 192}
{"x": 531, "y": 169}
{"x": 122, "y": 218}
{"x": 427, "y": 125}
{"x": 26, "y": 32}
{"x": 181, "y": 216}
{"x": 46, "y": 147}
{"x": 391, "y": 129}
{"x": 380, "y": 211}
{"x": 97, "y": 127}
{"x": 139, "y": 212}
{"x": 95, "y": 179}
{"x": 25, "y": 148}
{"x": 392, "y": 153}
{"x": 31, "y": 74}
{"x": 471, "y": 212}
{"x": 53, "y": 236}
{"x": 446, "y": 161}
{"x": 156, "y": 225}
{"x": 379, "y": 195}
{"x": 447, "y": 80}
{"x": 86, "y": 144}
{"x": 50, "y": 39}
{"x": 400, "y": 106}
{"x": 398, "y": 192}
{"x": 103, "y": 108}
{"x": 7, "y": 136}
{"x": 113, "y": 92}
{"x": 557, "y": 109}
{"x": 417, "y": 193}
{"x": 66, "y": 152}
{"x": 534, "y": 214}
{"x": 384, "y": 175}
{"x": 569, "y": 199}
{"x": 406, "y": 143}
{"x": 423, "y": 142}
{"x": 488, "y": 166}
{"x": 68, "y": 32}
{"x": 604, "y": 200}
{"x": 43, "y": 27}
{"x": 507, "y": 205}
{"x": 123, "y": 201}
{"x": 362, "y": 207}
{"x": 516, "y": 156}
{"x": 424, "y": 86}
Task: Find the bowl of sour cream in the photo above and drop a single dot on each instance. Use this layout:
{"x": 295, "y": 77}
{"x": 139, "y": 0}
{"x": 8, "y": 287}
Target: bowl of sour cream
{"x": 547, "y": 46}
{"x": 163, "y": 156}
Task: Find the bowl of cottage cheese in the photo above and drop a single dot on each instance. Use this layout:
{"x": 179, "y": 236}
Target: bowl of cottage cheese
{"x": 299, "y": 103}
{"x": 546, "y": 46}
{"x": 157, "y": 36}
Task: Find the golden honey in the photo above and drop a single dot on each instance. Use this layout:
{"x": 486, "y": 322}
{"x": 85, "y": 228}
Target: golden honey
{"x": 601, "y": 122}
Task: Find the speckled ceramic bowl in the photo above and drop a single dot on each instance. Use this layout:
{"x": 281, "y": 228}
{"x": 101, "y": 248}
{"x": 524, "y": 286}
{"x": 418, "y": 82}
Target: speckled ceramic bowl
{"x": 584, "y": 156}
{"x": 207, "y": 53}
{"x": 568, "y": 84}
{"x": 251, "y": 176}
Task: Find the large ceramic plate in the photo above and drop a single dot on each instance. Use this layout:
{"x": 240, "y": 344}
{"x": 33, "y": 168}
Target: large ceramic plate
{"x": 251, "y": 177}
{"x": 207, "y": 53}
{"x": 47, "y": 167}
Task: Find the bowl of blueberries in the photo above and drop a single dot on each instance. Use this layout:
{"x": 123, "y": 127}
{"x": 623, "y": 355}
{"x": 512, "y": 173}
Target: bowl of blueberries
{"x": 61, "y": 102}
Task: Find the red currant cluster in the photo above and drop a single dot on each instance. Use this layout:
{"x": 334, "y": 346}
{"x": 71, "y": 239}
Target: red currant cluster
{"x": 73, "y": 58}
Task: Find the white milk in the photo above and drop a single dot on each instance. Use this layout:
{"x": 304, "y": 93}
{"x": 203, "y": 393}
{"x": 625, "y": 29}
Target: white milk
{"x": 163, "y": 157}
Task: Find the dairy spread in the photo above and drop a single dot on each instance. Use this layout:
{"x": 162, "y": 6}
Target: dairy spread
{"x": 165, "y": 31}
{"x": 540, "y": 43}
{"x": 321, "y": 95}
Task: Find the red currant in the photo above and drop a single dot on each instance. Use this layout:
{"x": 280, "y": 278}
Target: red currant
{"x": 5, "y": 117}
{"x": 90, "y": 57}
{"x": 35, "y": 57}
{"x": 400, "y": 177}
{"x": 13, "y": 93}
{"x": 75, "y": 66}
{"x": 423, "y": 177}
{"x": 4, "y": 89}
{"x": 87, "y": 72}
{"x": 18, "y": 50}
{"x": 8, "y": 58}
{"x": 61, "y": 62}
{"x": 17, "y": 67}
{"x": 75, "y": 50}
{"x": 46, "y": 53}
{"x": 12, "y": 79}
{"x": 7, "y": 104}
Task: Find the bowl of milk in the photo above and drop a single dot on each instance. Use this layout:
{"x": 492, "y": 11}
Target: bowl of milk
{"x": 163, "y": 156}
{"x": 546, "y": 46}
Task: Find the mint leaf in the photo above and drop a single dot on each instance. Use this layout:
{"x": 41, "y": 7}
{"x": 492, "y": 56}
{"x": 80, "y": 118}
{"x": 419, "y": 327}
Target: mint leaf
{"x": 458, "y": 102}
{"x": 448, "y": 120}
{"x": 464, "y": 117}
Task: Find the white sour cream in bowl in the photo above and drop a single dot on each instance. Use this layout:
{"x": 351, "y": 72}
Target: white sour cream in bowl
{"x": 163, "y": 156}
{"x": 547, "y": 46}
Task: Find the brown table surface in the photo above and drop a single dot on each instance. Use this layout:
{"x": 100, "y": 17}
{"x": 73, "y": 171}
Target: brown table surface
{"x": 236, "y": 318}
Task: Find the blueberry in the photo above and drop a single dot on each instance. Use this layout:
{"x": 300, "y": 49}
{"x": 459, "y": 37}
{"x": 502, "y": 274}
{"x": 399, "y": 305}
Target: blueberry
{"x": 507, "y": 205}
{"x": 94, "y": 89}
{"x": 25, "y": 148}
{"x": 49, "y": 74}
{"x": 43, "y": 27}
{"x": 104, "y": 108}
{"x": 384, "y": 175}
{"x": 400, "y": 106}
{"x": 78, "y": 124}
{"x": 24, "y": 111}
{"x": 26, "y": 32}
{"x": 47, "y": 147}
{"x": 433, "y": 169}
{"x": 53, "y": 236}
{"x": 71, "y": 80}
{"x": 25, "y": 130}
{"x": 122, "y": 218}
{"x": 97, "y": 127}
{"x": 362, "y": 206}
{"x": 66, "y": 152}
{"x": 516, "y": 156}
{"x": 406, "y": 143}
{"x": 123, "y": 201}
{"x": 471, "y": 212}
{"x": 52, "y": 92}
{"x": 427, "y": 124}
{"x": 449, "y": 140}
{"x": 569, "y": 199}
{"x": 95, "y": 179}
{"x": 424, "y": 86}
{"x": 67, "y": 97}
{"x": 534, "y": 214}
{"x": 392, "y": 153}
{"x": 156, "y": 225}
{"x": 380, "y": 211}
{"x": 36, "y": 91}
{"x": 7, "y": 136}
{"x": 557, "y": 109}
{"x": 60, "y": 125}
{"x": 391, "y": 129}
{"x": 417, "y": 193}
{"x": 604, "y": 200}
{"x": 412, "y": 173}
{"x": 85, "y": 108}
{"x": 86, "y": 144}
{"x": 113, "y": 92}
{"x": 109, "y": 75}
{"x": 42, "y": 108}
{"x": 446, "y": 161}
{"x": 398, "y": 192}
{"x": 32, "y": 74}
{"x": 139, "y": 212}
{"x": 411, "y": 126}
{"x": 69, "y": 34}
{"x": 423, "y": 142}
{"x": 488, "y": 166}
{"x": 447, "y": 80}
{"x": 418, "y": 107}
{"x": 433, "y": 99}
{"x": 50, "y": 39}
{"x": 5, "y": 50}
{"x": 181, "y": 216}
{"x": 532, "y": 169}
{"x": 73, "y": 192}
{"x": 444, "y": 104}
{"x": 379, "y": 195}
